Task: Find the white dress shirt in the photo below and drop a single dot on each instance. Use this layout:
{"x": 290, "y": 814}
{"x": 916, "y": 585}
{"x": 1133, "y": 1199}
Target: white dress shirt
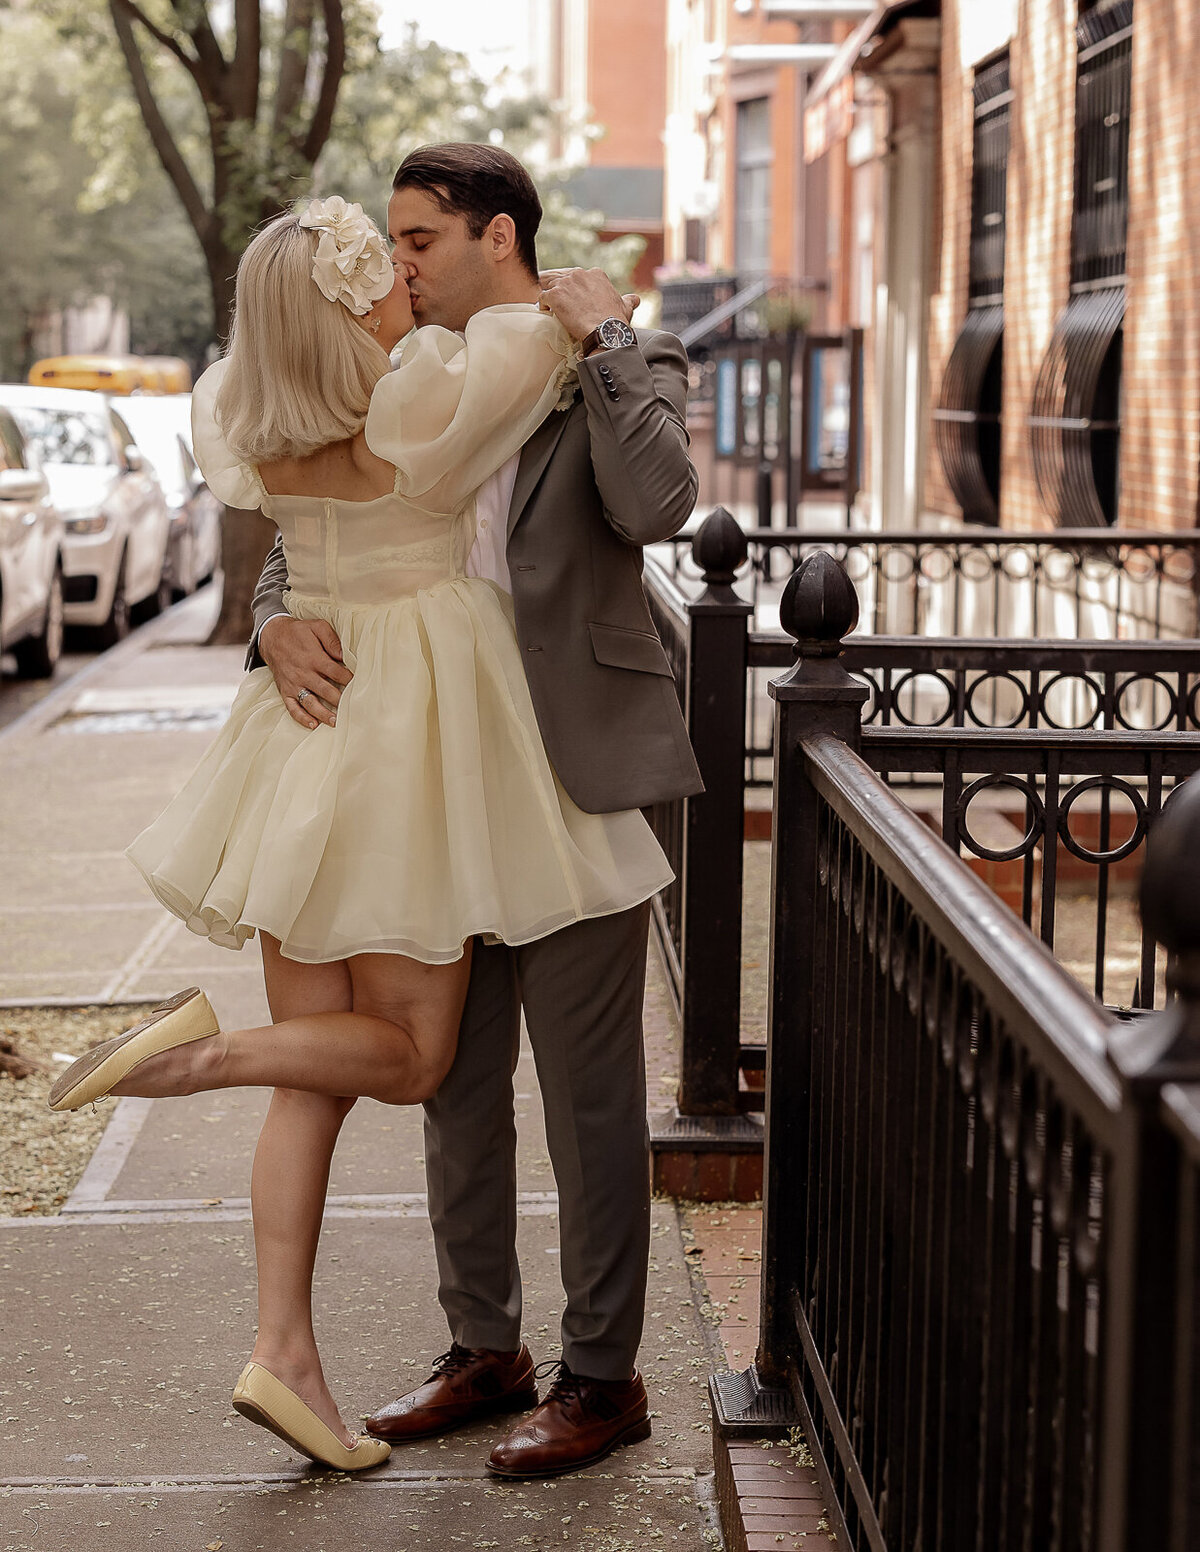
{"x": 492, "y": 501}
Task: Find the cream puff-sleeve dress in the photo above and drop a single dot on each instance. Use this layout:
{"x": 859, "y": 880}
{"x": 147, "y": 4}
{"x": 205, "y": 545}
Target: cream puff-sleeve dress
{"x": 430, "y": 813}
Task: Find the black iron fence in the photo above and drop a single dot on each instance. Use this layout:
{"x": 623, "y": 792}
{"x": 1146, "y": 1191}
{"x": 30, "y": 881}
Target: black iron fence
{"x": 980, "y": 1254}
{"x": 1043, "y": 762}
{"x": 974, "y": 582}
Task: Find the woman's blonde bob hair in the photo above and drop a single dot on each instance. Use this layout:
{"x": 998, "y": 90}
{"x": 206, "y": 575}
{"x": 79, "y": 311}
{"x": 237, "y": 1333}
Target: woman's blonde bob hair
{"x": 301, "y": 368}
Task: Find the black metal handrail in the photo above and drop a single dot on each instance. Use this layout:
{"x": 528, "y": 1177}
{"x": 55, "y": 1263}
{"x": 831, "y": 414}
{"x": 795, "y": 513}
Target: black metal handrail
{"x": 974, "y": 1282}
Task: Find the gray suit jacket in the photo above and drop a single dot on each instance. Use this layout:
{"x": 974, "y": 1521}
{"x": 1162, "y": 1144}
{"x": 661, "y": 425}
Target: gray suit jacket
{"x": 595, "y": 483}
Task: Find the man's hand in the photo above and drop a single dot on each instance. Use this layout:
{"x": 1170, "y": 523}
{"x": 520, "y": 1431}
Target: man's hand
{"x": 305, "y": 655}
{"x": 581, "y": 299}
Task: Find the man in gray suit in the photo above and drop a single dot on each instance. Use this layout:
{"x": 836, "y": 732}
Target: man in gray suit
{"x": 561, "y": 528}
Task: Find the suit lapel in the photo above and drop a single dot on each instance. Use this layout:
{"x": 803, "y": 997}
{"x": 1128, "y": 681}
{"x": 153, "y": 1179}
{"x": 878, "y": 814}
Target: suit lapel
{"x": 535, "y": 455}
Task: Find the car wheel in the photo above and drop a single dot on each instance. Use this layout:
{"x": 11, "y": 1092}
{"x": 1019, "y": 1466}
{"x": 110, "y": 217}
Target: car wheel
{"x": 37, "y": 656}
{"x": 116, "y": 627}
{"x": 160, "y": 599}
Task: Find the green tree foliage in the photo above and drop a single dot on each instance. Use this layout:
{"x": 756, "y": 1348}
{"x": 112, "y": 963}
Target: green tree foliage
{"x": 83, "y": 216}
{"x": 397, "y": 99}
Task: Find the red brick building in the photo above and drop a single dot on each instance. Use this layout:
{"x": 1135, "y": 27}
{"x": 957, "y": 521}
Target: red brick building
{"x": 604, "y": 62}
{"x": 998, "y": 192}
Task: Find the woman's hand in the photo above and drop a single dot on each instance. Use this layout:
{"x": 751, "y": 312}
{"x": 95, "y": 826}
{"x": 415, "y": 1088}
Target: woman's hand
{"x": 305, "y": 656}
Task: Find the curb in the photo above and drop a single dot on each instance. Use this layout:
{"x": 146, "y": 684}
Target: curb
{"x": 139, "y": 640}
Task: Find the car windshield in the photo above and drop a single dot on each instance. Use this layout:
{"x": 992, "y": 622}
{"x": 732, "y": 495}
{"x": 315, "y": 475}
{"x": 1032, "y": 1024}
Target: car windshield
{"x": 67, "y": 436}
{"x": 157, "y": 425}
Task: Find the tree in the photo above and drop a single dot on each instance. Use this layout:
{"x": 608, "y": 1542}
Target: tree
{"x": 76, "y": 192}
{"x": 398, "y": 99}
{"x": 268, "y": 105}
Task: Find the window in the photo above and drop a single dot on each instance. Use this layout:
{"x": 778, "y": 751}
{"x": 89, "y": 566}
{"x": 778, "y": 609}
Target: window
{"x": 68, "y": 436}
{"x": 1076, "y": 421}
{"x": 752, "y": 194}
{"x": 966, "y": 423}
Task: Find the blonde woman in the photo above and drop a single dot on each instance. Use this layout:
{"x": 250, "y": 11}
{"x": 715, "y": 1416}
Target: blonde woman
{"x": 368, "y": 853}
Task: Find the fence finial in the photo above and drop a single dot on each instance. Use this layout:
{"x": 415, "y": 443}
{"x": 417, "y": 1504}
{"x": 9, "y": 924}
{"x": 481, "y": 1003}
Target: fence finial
{"x": 819, "y": 606}
{"x": 719, "y": 549}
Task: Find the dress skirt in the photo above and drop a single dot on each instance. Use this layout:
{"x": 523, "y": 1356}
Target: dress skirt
{"x": 428, "y": 815}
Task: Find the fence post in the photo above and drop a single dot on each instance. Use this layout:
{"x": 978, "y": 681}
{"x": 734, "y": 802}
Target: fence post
{"x": 819, "y": 607}
{"x": 711, "y": 906}
{"x": 1148, "y": 1054}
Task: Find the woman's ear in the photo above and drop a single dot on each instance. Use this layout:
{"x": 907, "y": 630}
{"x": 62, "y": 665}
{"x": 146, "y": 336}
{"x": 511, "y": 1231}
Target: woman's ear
{"x": 501, "y": 238}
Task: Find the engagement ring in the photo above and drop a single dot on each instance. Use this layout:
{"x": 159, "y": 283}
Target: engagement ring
{"x": 300, "y": 697}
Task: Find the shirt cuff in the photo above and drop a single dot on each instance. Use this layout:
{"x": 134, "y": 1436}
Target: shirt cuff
{"x": 254, "y": 640}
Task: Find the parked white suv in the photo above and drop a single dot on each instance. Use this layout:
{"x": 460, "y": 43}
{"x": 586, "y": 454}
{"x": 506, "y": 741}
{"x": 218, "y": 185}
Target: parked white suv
{"x": 162, "y": 424}
{"x": 115, "y": 516}
{"x": 31, "y": 598}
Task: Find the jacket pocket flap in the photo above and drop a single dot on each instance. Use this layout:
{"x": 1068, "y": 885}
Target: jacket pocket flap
{"x": 622, "y": 648}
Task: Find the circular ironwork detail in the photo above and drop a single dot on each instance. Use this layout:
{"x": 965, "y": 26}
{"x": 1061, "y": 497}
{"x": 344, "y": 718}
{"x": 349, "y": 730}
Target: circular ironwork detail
{"x": 1110, "y": 784}
{"x": 936, "y": 563}
{"x": 911, "y": 676}
{"x": 1065, "y": 678}
{"x": 977, "y": 564}
{"x": 1139, "y": 679}
{"x": 1001, "y": 676}
{"x": 1037, "y": 824}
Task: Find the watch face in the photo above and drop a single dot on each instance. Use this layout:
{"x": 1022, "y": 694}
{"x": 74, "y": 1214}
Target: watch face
{"x": 614, "y": 333}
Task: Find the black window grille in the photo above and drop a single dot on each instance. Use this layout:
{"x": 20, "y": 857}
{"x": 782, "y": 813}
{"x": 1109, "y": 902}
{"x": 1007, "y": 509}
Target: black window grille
{"x": 989, "y": 181}
{"x": 966, "y": 422}
{"x": 1075, "y": 427}
{"x": 1102, "y": 90}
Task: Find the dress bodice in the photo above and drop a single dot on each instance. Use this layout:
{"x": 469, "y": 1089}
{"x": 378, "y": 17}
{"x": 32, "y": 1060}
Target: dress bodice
{"x": 453, "y": 411}
{"x": 367, "y": 552}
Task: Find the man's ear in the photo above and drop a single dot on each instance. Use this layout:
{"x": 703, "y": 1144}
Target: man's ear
{"x": 500, "y": 239}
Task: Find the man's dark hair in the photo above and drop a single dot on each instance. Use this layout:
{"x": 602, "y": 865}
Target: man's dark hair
{"x": 479, "y": 183}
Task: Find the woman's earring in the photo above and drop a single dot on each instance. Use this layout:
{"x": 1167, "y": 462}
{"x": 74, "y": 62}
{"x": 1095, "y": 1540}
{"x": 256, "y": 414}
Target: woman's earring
{"x": 377, "y": 325}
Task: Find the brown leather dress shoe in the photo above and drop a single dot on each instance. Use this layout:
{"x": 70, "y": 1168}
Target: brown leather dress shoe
{"x": 466, "y": 1383}
{"x": 580, "y": 1422}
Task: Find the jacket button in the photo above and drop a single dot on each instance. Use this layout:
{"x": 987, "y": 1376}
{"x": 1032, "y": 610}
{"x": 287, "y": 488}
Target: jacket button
{"x": 534, "y": 649}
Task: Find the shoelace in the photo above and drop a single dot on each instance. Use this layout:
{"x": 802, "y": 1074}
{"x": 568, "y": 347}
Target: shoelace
{"x": 454, "y": 1361}
{"x": 566, "y": 1385}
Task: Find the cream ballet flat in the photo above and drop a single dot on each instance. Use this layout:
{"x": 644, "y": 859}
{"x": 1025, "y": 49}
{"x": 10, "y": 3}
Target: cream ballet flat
{"x": 182, "y": 1018}
{"x": 264, "y": 1400}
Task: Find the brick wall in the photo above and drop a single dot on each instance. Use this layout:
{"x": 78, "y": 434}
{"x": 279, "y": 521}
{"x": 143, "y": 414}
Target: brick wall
{"x": 627, "y": 81}
{"x": 1038, "y": 243}
{"x": 1160, "y": 421}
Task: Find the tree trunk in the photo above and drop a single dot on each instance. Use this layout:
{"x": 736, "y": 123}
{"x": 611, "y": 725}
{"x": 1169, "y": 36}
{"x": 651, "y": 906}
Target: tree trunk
{"x": 246, "y": 538}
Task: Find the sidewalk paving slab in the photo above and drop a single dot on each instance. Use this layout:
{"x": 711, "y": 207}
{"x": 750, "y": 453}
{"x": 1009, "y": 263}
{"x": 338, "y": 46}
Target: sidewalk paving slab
{"x": 127, "y": 1318}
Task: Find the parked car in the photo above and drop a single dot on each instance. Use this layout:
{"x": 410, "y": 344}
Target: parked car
{"x": 162, "y": 428}
{"x": 114, "y": 512}
{"x": 31, "y": 585}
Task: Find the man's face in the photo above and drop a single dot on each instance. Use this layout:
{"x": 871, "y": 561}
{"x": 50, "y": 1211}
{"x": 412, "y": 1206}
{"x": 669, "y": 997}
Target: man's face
{"x": 449, "y": 277}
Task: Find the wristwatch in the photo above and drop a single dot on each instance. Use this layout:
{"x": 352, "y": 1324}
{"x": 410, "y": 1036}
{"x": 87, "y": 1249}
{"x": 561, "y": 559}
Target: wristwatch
{"x": 612, "y": 334}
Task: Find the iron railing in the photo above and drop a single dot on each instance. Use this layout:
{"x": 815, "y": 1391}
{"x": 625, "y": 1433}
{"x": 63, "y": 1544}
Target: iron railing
{"x": 975, "y": 1283}
{"x": 1042, "y": 762}
{"x": 1064, "y": 583}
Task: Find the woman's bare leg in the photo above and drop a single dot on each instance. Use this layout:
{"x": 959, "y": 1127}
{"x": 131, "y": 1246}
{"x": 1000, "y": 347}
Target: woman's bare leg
{"x": 287, "y": 1192}
{"x": 331, "y": 1022}
{"x": 394, "y": 1043}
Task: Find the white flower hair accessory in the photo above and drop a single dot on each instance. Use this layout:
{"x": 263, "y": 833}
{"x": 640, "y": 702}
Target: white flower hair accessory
{"x": 351, "y": 264}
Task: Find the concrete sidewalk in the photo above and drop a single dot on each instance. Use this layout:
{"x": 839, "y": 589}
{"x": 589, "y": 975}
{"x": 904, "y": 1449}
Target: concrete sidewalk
{"x": 127, "y": 1317}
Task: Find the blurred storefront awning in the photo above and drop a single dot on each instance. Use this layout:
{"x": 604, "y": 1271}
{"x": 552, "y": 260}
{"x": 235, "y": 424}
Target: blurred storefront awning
{"x": 829, "y": 106}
